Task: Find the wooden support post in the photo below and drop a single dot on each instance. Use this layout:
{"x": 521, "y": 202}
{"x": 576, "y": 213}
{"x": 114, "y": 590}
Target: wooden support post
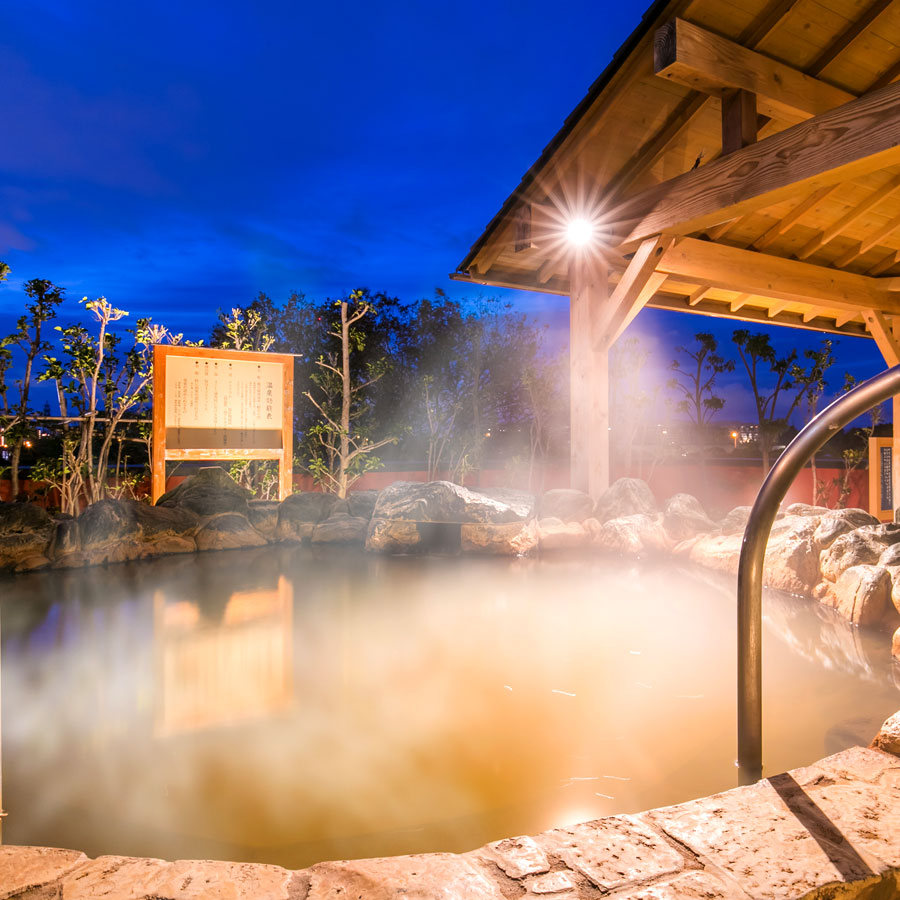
{"x": 895, "y": 447}
{"x": 588, "y": 375}
{"x": 738, "y": 120}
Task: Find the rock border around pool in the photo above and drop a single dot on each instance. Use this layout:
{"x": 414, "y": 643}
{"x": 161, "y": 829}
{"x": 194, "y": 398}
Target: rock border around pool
{"x": 845, "y": 558}
{"x": 825, "y": 831}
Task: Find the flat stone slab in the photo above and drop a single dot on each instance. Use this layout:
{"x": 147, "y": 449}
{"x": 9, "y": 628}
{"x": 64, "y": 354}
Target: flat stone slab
{"x": 827, "y": 831}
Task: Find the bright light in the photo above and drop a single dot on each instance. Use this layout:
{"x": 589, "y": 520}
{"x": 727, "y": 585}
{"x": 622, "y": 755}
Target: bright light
{"x": 580, "y": 232}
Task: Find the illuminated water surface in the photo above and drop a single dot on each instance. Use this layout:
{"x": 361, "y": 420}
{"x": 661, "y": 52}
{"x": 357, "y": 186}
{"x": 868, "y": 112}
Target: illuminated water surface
{"x": 282, "y": 706}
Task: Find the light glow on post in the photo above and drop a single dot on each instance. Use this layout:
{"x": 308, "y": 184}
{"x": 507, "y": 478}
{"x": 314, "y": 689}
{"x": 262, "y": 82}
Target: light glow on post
{"x": 580, "y": 232}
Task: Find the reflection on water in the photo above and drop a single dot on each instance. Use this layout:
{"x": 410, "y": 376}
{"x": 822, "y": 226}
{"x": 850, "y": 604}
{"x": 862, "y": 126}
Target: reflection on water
{"x": 280, "y": 706}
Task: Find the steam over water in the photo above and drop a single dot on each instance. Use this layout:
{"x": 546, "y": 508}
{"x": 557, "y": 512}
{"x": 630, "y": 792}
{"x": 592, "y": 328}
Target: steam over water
{"x": 280, "y": 706}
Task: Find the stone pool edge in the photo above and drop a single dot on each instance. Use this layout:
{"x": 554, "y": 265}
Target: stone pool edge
{"x": 828, "y": 830}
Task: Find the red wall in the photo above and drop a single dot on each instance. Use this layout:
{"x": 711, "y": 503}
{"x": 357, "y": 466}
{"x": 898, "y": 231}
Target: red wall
{"x": 720, "y": 487}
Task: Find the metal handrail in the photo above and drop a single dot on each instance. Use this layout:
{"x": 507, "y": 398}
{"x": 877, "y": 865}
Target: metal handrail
{"x": 811, "y": 438}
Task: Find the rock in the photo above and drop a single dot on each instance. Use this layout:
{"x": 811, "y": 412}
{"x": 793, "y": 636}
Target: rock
{"x": 522, "y": 503}
{"x": 33, "y": 871}
{"x": 508, "y": 539}
{"x": 792, "y": 556}
{"x": 895, "y": 646}
{"x": 715, "y": 551}
{"x": 855, "y": 548}
{"x": 362, "y": 503}
{"x": 109, "y": 532}
{"x": 386, "y": 536}
{"x": 625, "y": 497}
{"x": 26, "y": 533}
{"x": 684, "y": 517}
{"x": 65, "y": 538}
{"x": 635, "y": 534}
{"x": 210, "y": 492}
{"x": 862, "y": 594}
{"x": 263, "y": 516}
{"x": 340, "y": 529}
{"x": 888, "y": 737}
{"x": 300, "y": 513}
{"x": 443, "y": 501}
{"x": 228, "y": 531}
{"x": 805, "y": 509}
{"x": 554, "y": 534}
{"x": 836, "y": 522}
{"x": 566, "y": 505}
{"x": 890, "y": 557}
{"x": 736, "y": 521}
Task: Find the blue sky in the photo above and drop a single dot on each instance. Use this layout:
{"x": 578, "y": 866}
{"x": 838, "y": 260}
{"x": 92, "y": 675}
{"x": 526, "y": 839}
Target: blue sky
{"x": 180, "y": 158}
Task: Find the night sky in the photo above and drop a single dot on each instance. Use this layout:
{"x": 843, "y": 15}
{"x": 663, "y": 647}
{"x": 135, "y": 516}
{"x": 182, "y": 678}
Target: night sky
{"x": 179, "y": 159}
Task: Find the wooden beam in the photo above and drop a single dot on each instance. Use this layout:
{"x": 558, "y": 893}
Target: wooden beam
{"x": 638, "y": 283}
{"x": 871, "y": 241}
{"x": 850, "y": 34}
{"x": 853, "y": 140}
{"x": 739, "y": 302}
{"x": 812, "y": 313}
{"x": 721, "y": 229}
{"x": 738, "y": 120}
{"x": 588, "y": 376}
{"x": 843, "y": 318}
{"x": 759, "y": 29}
{"x": 881, "y": 330}
{"x": 852, "y": 215}
{"x": 776, "y": 308}
{"x": 547, "y": 270}
{"x": 734, "y": 269}
{"x": 698, "y": 59}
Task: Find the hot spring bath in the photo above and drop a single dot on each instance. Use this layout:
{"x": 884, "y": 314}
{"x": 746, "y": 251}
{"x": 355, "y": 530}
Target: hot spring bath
{"x": 285, "y": 706}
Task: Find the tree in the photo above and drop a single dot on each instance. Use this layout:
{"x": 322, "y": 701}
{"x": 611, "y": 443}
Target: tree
{"x": 341, "y": 454}
{"x": 44, "y": 297}
{"x": 695, "y": 380}
{"x": 813, "y": 379}
{"x": 774, "y": 405}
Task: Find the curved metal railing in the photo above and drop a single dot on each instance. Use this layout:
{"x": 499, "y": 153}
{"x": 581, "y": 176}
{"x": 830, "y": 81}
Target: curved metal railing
{"x": 753, "y": 550}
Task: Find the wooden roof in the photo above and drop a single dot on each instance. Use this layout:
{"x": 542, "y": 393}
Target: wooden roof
{"x": 796, "y": 223}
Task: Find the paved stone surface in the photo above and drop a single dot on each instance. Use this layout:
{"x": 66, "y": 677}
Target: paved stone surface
{"x": 130, "y": 878}
{"x": 435, "y": 876}
{"x": 26, "y": 869}
{"x": 519, "y": 856}
{"x": 613, "y": 852}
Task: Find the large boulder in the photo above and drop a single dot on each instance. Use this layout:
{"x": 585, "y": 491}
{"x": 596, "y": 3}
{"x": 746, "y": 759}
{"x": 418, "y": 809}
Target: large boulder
{"x": 210, "y": 492}
{"x": 684, "y": 517}
{"x": 554, "y": 534}
{"x": 163, "y": 530}
{"x": 736, "y": 521}
{"x": 863, "y": 546}
{"x": 388, "y": 536}
{"x": 792, "y": 556}
{"x": 340, "y": 529}
{"x": 862, "y": 594}
{"x": 299, "y": 514}
{"x": 805, "y": 509}
{"x": 108, "y": 532}
{"x": 836, "y": 522}
{"x": 635, "y": 535}
{"x": 625, "y": 497}
{"x": 443, "y": 501}
{"x": 26, "y": 532}
{"x": 507, "y": 539}
{"x": 228, "y": 531}
{"x": 566, "y": 505}
{"x": 888, "y": 737}
{"x": 362, "y": 503}
{"x": 263, "y": 516}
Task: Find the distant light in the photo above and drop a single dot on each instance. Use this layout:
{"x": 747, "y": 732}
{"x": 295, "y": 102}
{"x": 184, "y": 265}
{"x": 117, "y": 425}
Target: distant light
{"x": 580, "y": 232}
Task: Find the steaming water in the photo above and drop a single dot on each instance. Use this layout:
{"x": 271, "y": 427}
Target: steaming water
{"x": 277, "y": 706}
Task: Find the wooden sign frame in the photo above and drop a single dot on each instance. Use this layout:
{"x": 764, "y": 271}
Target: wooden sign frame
{"x": 161, "y": 453}
{"x": 881, "y": 493}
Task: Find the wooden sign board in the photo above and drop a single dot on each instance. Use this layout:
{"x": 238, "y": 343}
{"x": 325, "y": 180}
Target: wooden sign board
{"x": 881, "y": 491}
{"x": 211, "y": 404}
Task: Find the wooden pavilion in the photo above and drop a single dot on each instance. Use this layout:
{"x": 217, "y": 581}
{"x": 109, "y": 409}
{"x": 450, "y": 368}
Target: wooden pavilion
{"x": 736, "y": 159}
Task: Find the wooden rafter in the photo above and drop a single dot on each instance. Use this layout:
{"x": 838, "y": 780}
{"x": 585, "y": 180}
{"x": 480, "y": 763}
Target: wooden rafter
{"x": 731, "y": 268}
{"x": 850, "y": 34}
{"x": 852, "y": 215}
{"x": 739, "y": 302}
{"x": 871, "y": 241}
{"x": 698, "y": 59}
{"x": 855, "y": 139}
{"x": 794, "y": 216}
{"x": 885, "y": 263}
